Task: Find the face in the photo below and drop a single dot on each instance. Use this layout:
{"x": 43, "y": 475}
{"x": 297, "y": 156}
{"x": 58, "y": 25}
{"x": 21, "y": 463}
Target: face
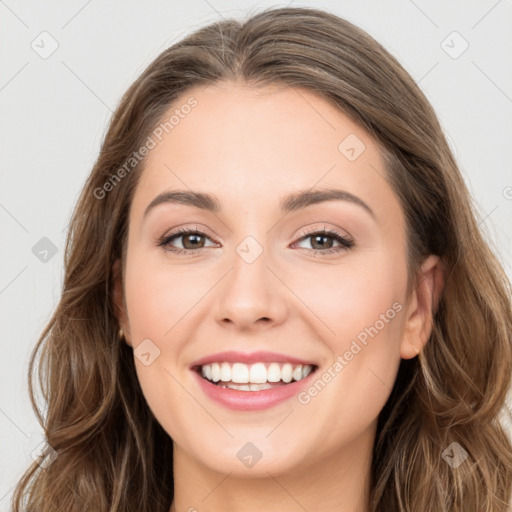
{"x": 275, "y": 280}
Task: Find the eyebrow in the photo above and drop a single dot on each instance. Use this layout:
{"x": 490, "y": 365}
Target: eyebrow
{"x": 292, "y": 202}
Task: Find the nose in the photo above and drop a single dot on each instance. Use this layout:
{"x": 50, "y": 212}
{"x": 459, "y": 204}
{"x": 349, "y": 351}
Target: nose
{"x": 251, "y": 296}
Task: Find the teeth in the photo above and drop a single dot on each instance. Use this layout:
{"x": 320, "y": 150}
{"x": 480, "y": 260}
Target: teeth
{"x": 274, "y": 373}
{"x": 255, "y": 377}
{"x": 257, "y": 373}
{"x": 246, "y": 387}
{"x": 225, "y": 372}
{"x": 215, "y": 372}
{"x": 287, "y": 372}
{"x": 297, "y": 372}
{"x": 240, "y": 373}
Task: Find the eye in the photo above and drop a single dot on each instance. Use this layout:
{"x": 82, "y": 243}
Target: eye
{"x": 323, "y": 240}
{"x": 191, "y": 240}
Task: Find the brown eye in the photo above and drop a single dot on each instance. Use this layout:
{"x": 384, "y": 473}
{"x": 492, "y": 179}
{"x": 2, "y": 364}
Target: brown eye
{"x": 322, "y": 242}
{"x": 191, "y": 240}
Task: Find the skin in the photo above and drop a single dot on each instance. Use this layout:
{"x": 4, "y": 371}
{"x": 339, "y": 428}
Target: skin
{"x": 251, "y": 148}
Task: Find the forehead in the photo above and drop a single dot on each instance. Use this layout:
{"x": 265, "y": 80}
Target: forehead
{"x": 254, "y": 146}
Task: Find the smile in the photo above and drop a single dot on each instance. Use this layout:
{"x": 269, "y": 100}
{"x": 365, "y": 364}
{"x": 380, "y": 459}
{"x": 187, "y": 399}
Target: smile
{"x": 255, "y": 381}
{"x": 256, "y": 377}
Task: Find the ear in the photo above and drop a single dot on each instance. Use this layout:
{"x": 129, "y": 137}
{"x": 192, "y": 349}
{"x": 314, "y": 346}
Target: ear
{"x": 422, "y": 307}
{"x": 119, "y": 302}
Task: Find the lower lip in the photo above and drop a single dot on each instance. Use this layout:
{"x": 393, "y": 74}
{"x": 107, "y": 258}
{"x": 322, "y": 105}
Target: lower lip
{"x": 251, "y": 400}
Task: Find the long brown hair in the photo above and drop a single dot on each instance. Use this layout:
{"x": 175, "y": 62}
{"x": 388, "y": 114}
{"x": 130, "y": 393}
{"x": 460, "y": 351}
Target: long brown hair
{"x": 113, "y": 454}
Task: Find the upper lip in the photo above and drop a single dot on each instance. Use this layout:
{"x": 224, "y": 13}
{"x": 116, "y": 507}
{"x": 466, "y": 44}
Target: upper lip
{"x": 249, "y": 358}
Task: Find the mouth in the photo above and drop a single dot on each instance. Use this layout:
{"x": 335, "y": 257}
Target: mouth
{"x": 250, "y": 382}
{"x": 259, "y": 376}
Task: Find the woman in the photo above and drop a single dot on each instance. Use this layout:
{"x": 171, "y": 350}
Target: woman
{"x": 276, "y": 294}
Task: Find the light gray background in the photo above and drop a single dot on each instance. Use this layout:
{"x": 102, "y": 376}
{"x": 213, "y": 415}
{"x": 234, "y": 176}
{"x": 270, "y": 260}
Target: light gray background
{"x": 55, "y": 110}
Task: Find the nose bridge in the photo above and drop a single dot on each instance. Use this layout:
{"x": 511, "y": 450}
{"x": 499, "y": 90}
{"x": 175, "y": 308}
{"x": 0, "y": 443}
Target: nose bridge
{"x": 250, "y": 291}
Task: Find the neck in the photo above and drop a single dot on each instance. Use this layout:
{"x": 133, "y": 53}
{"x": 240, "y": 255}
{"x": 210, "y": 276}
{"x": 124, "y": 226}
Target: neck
{"x": 338, "y": 481}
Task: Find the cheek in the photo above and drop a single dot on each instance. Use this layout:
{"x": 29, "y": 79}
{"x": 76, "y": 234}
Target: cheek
{"x": 361, "y": 306}
{"x": 158, "y": 297}
{"x": 353, "y": 296}
{"x": 157, "y": 300}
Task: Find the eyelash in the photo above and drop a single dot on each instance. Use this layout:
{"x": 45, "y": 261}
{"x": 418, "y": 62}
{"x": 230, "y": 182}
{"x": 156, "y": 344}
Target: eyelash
{"x": 332, "y": 233}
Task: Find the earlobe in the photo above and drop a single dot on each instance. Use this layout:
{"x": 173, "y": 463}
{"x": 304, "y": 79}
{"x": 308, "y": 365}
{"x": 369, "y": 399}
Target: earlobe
{"x": 423, "y": 305}
{"x": 119, "y": 303}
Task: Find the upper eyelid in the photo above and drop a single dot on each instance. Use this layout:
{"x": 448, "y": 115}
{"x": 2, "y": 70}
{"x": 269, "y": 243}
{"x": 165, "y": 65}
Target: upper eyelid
{"x": 188, "y": 230}
{"x": 329, "y": 231}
